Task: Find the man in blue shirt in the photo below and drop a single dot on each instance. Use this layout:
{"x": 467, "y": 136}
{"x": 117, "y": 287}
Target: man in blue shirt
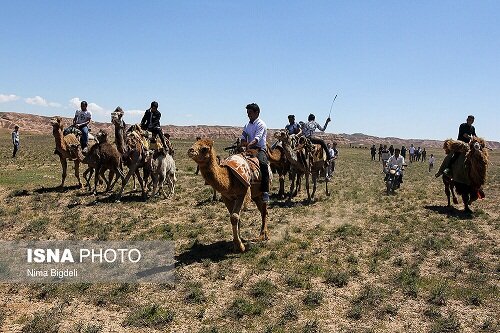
{"x": 292, "y": 127}
{"x": 254, "y": 137}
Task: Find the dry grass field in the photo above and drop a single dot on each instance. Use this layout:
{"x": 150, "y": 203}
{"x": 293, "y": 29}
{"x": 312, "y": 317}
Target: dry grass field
{"x": 356, "y": 261}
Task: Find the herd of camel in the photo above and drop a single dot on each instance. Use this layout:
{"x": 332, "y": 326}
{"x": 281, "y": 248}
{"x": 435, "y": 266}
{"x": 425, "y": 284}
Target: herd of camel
{"x": 296, "y": 156}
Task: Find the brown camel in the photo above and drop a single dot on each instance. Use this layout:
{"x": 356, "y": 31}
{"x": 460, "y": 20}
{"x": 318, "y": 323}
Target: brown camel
{"x": 133, "y": 157}
{"x": 468, "y": 169}
{"x": 106, "y": 156}
{"x": 67, "y": 148}
{"x": 233, "y": 190}
{"x": 279, "y": 164}
{"x": 299, "y": 158}
{"x": 318, "y": 165}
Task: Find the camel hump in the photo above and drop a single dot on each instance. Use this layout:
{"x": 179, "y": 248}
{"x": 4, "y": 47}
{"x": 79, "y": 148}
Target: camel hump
{"x": 246, "y": 169}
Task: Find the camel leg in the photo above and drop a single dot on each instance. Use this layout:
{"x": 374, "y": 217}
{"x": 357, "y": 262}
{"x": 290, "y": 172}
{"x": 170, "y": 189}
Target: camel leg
{"x": 87, "y": 177}
{"x": 452, "y": 188}
{"x": 77, "y": 173}
{"x": 262, "y": 206}
{"x": 447, "y": 192}
{"x": 64, "y": 165}
{"x": 326, "y": 186}
{"x": 234, "y": 208}
{"x": 314, "y": 176}
{"x": 118, "y": 173}
{"x": 307, "y": 187}
{"x": 281, "y": 192}
{"x": 292, "y": 187}
{"x": 131, "y": 171}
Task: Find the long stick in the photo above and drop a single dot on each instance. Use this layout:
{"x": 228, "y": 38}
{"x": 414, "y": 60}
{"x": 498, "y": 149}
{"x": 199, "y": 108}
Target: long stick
{"x": 332, "y": 106}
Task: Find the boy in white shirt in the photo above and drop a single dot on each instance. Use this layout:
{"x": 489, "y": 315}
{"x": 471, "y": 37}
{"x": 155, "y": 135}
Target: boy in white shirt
{"x": 432, "y": 159}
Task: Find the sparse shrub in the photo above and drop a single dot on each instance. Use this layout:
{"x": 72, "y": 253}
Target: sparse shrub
{"x": 311, "y": 326}
{"x": 489, "y": 325}
{"x": 446, "y": 325}
{"x": 408, "y": 280}
{"x": 313, "y": 298}
{"x": 263, "y": 291}
{"x": 368, "y": 299}
{"x": 152, "y": 316}
{"x": 87, "y": 328}
{"x": 347, "y": 230}
{"x": 336, "y": 278}
{"x": 241, "y": 307}
{"x": 298, "y": 281}
{"x": 36, "y": 227}
{"x": 194, "y": 293}
{"x": 290, "y": 313}
{"x": 439, "y": 293}
{"x": 444, "y": 263}
{"x": 432, "y": 312}
{"x": 42, "y": 322}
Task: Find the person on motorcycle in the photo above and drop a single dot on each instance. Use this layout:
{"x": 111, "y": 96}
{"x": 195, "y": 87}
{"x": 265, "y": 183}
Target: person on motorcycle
{"x": 398, "y": 160}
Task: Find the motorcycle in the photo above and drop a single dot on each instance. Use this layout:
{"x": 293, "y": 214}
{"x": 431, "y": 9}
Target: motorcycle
{"x": 392, "y": 178}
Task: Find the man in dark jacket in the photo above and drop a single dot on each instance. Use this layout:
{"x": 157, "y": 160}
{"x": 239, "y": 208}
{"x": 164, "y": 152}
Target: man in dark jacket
{"x": 466, "y": 131}
{"x": 151, "y": 122}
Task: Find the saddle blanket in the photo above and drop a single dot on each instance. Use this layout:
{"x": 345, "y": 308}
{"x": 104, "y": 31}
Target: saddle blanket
{"x": 245, "y": 168}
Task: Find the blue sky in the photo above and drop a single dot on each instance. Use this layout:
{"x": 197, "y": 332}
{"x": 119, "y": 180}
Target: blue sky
{"x": 409, "y": 69}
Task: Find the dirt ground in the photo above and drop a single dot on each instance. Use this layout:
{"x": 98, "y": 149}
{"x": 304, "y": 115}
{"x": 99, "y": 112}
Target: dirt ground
{"x": 355, "y": 261}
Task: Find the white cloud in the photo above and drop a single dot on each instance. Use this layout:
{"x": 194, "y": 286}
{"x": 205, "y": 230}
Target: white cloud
{"x": 134, "y": 112}
{"x": 37, "y": 100}
{"x": 92, "y": 107}
{"x": 8, "y": 98}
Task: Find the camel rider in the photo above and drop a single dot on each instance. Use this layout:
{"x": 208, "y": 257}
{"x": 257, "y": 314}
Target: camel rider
{"x": 81, "y": 121}
{"x": 398, "y": 160}
{"x": 254, "y": 137}
{"x": 465, "y": 133}
{"x": 292, "y": 127}
{"x": 308, "y": 131}
{"x": 151, "y": 122}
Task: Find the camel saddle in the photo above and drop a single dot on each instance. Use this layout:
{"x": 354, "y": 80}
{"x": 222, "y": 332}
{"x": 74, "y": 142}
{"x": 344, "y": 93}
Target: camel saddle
{"x": 245, "y": 168}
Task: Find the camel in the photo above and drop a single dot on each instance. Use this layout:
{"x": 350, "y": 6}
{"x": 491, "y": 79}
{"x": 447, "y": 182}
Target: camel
{"x": 107, "y": 157}
{"x": 298, "y": 156}
{"x": 232, "y": 189}
{"x": 133, "y": 157}
{"x": 468, "y": 170}
{"x": 67, "y": 148}
{"x": 278, "y": 163}
{"x": 318, "y": 166}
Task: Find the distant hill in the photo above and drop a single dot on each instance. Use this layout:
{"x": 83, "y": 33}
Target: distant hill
{"x": 30, "y": 123}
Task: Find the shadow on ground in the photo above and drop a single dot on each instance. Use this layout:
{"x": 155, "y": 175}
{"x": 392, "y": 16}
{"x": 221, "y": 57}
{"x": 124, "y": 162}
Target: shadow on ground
{"x": 451, "y": 212}
{"x": 56, "y": 189}
{"x": 216, "y": 252}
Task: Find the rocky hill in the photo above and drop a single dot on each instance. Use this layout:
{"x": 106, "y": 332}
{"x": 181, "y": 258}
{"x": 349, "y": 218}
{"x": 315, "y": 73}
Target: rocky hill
{"x": 40, "y": 124}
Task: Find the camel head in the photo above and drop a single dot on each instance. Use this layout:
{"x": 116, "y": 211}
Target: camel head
{"x": 282, "y": 135}
{"x": 102, "y": 136}
{"x": 201, "y": 151}
{"x": 116, "y": 117}
{"x": 56, "y": 122}
{"x": 478, "y": 145}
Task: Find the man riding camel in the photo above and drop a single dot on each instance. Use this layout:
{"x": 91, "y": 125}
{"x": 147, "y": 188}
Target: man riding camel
{"x": 308, "y": 131}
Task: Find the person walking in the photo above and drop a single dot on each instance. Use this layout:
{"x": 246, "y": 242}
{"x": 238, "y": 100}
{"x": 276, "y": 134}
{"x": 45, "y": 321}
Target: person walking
{"x": 254, "y": 136}
{"x": 15, "y": 140}
{"x": 432, "y": 159}
{"x": 373, "y": 152}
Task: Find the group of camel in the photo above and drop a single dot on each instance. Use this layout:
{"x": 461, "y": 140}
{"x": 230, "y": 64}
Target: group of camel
{"x": 129, "y": 149}
{"x": 295, "y": 155}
